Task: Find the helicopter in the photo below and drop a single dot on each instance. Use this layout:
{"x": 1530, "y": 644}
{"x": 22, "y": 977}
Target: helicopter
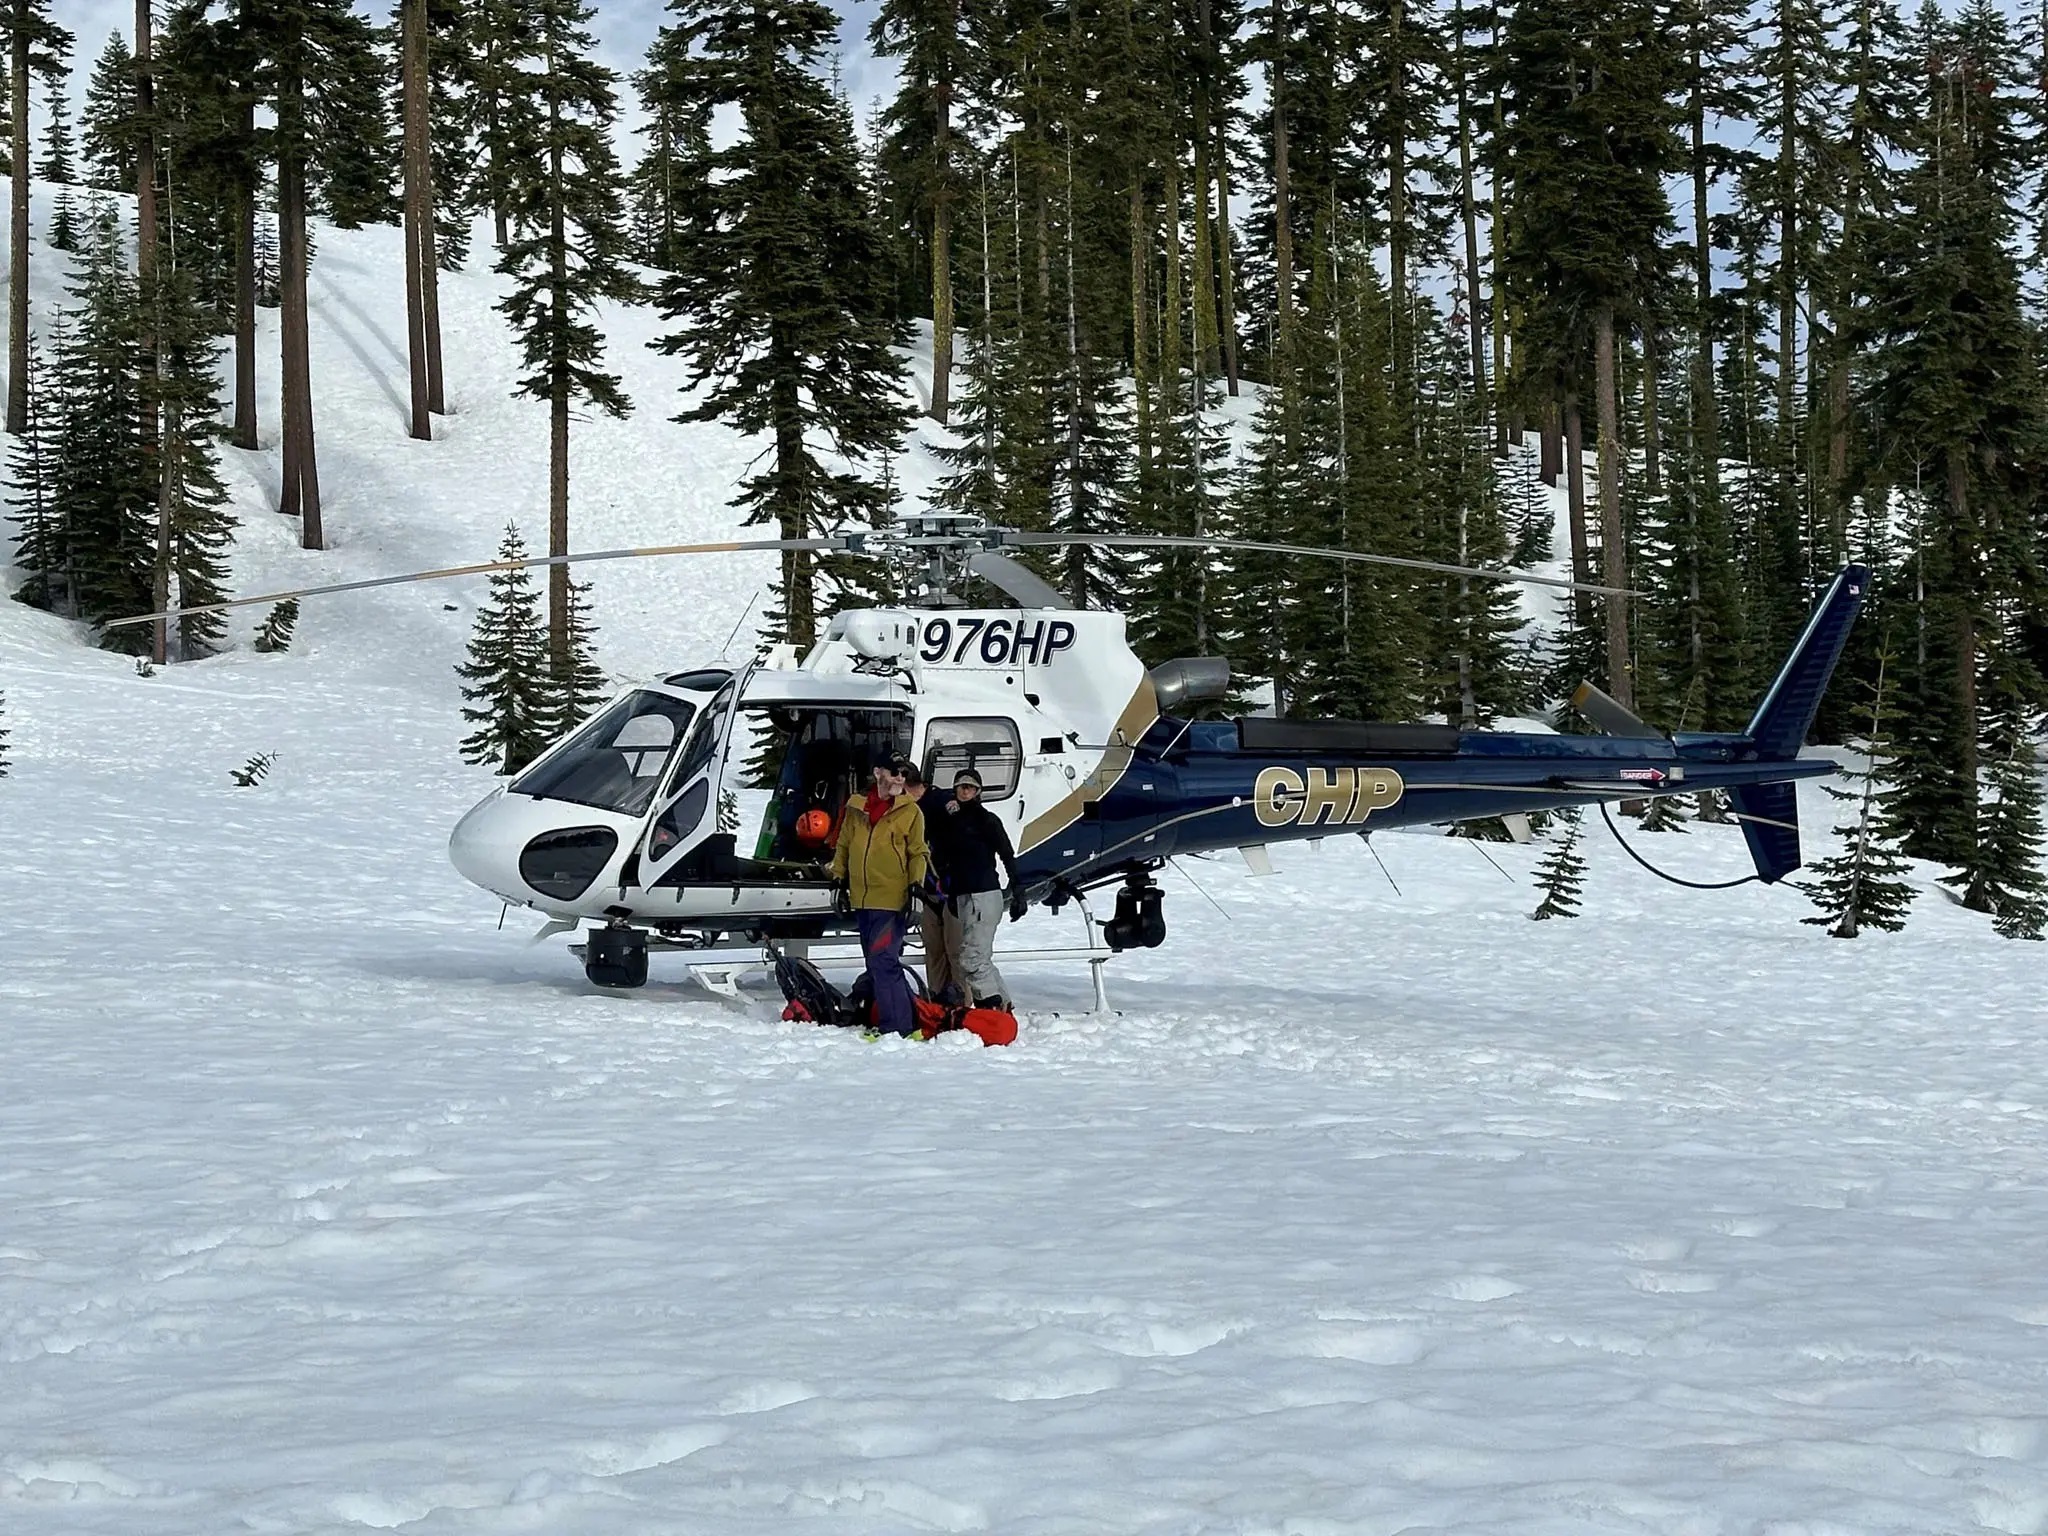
{"x": 1096, "y": 763}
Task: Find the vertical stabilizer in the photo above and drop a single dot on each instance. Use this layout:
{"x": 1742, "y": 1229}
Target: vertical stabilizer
{"x": 1786, "y": 714}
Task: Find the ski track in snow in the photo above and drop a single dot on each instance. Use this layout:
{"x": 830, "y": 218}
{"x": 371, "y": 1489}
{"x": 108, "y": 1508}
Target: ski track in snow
{"x": 326, "y": 1206}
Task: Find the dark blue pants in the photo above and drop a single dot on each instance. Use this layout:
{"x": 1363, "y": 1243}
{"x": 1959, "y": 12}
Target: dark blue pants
{"x": 881, "y": 942}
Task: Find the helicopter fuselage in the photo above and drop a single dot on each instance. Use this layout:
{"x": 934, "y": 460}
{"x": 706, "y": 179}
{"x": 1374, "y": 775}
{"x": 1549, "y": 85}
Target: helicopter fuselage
{"x": 632, "y": 821}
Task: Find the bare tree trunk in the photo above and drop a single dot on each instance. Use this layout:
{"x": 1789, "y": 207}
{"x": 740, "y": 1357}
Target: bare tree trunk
{"x": 1613, "y": 542}
{"x": 558, "y": 399}
{"x": 302, "y": 475}
{"x": 1575, "y": 481}
{"x": 245, "y": 309}
{"x": 1507, "y": 424}
{"x": 412, "y": 77}
{"x": 1227, "y": 324}
{"x": 1551, "y": 448}
{"x": 1283, "y": 221}
{"x": 1471, "y": 211}
{"x": 1397, "y": 209}
{"x": 942, "y": 235}
{"x": 145, "y": 197}
{"x": 1141, "y": 317}
{"x": 1170, "y": 307}
{"x": 1203, "y": 279}
{"x": 1653, "y": 451}
{"x": 17, "y": 247}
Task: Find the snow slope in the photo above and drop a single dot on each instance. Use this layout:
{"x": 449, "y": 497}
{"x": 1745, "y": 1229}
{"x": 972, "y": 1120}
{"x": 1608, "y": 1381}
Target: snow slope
{"x": 327, "y": 1206}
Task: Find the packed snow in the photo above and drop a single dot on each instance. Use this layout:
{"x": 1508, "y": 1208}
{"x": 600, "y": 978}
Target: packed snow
{"x": 327, "y": 1204}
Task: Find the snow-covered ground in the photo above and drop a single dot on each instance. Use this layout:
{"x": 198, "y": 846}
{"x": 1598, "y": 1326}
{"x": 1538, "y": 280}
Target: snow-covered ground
{"x": 326, "y": 1205}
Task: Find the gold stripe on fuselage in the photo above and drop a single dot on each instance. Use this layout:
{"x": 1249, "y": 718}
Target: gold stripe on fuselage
{"x": 1130, "y": 727}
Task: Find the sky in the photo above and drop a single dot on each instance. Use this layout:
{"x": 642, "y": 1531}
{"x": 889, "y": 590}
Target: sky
{"x": 624, "y": 29}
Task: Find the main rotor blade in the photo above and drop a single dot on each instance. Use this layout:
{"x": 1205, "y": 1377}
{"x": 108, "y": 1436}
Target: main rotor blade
{"x": 1253, "y": 546}
{"x": 730, "y": 546}
{"x": 1014, "y": 580}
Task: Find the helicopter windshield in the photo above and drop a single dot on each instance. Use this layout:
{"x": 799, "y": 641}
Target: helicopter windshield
{"x": 615, "y": 761}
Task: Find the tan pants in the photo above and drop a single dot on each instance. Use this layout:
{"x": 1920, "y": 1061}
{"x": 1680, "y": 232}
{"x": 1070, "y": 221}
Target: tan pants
{"x": 941, "y": 930}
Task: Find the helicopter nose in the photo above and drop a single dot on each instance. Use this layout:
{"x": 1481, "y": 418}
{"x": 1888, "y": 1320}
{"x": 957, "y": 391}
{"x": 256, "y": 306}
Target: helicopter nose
{"x": 484, "y": 848}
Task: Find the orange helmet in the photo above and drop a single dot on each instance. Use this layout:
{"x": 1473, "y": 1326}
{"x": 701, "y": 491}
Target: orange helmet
{"x": 814, "y": 826}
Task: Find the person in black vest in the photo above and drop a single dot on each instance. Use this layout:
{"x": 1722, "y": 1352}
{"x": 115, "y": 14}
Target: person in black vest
{"x": 968, "y": 840}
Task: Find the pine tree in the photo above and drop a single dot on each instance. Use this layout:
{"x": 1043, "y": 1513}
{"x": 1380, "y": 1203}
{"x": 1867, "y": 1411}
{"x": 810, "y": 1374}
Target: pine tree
{"x": 1562, "y": 874}
{"x": 507, "y": 692}
{"x": 35, "y": 42}
{"x": 782, "y": 291}
{"x": 331, "y": 139}
{"x": 106, "y": 124}
{"x": 917, "y": 151}
{"x": 41, "y": 548}
{"x": 274, "y": 635}
{"x": 193, "y": 523}
{"x": 566, "y": 256}
{"x": 1865, "y": 884}
{"x": 104, "y": 488}
{"x": 58, "y": 164}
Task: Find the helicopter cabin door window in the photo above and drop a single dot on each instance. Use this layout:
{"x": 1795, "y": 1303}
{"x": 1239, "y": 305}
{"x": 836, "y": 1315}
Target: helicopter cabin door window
{"x": 987, "y": 744}
{"x": 694, "y": 780}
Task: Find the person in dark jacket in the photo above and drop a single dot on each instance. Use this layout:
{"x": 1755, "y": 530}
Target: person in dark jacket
{"x": 968, "y": 841}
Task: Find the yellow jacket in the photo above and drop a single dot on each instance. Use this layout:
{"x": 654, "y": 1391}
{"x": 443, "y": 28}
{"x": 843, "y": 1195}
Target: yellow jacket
{"x": 880, "y": 861}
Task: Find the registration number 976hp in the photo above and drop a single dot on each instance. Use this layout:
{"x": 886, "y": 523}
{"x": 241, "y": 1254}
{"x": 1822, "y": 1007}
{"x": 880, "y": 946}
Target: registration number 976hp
{"x": 995, "y": 642}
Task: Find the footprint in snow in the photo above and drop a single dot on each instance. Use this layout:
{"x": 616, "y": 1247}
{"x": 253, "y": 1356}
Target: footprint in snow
{"x": 1476, "y": 1288}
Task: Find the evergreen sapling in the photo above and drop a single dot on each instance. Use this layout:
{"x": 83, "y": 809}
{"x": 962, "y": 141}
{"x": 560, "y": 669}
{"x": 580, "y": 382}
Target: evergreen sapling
{"x": 275, "y": 634}
{"x": 1562, "y": 874}
{"x": 507, "y": 693}
{"x": 1865, "y": 884}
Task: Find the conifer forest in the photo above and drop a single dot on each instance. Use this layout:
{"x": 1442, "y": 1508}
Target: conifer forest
{"x": 1758, "y": 287}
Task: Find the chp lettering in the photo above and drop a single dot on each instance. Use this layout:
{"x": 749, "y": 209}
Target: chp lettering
{"x": 1284, "y": 797}
{"x": 995, "y": 642}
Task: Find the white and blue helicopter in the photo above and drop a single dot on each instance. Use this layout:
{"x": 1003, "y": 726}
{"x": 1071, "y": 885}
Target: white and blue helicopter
{"x": 1090, "y": 757}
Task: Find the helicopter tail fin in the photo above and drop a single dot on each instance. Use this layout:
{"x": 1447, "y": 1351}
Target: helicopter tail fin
{"x": 1786, "y": 714}
{"x": 1769, "y": 813}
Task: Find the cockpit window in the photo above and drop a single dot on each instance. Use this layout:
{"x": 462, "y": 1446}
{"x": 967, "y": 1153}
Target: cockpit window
{"x": 615, "y": 761}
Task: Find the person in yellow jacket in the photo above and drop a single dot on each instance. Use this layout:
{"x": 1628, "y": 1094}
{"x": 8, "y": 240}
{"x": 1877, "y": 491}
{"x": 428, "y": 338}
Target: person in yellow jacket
{"x": 880, "y": 855}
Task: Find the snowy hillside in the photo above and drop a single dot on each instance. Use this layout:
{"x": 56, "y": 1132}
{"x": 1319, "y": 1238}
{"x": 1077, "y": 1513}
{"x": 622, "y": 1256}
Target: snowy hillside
{"x": 326, "y": 1205}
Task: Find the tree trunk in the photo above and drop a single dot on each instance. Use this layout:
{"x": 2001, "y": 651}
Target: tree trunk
{"x": 1613, "y": 543}
{"x": 558, "y": 392}
{"x": 1575, "y": 482}
{"x": 1788, "y": 307}
{"x": 1227, "y": 322}
{"x": 1653, "y": 457}
{"x": 1170, "y": 301}
{"x": 1551, "y": 445}
{"x": 1141, "y": 318}
{"x": 145, "y": 199}
{"x": 17, "y": 285}
{"x": 942, "y": 233}
{"x": 1507, "y": 425}
{"x": 302, "y": 476}
{"x": 1397, "y": 209}
{"x": 166, "y": 509}
{"x": 245, "y": 307}
{"x": 1203, "y": 279}
{"x": 1956, "y": 465}
{"x": 412, "y": 83}
{"x": 1471, "y": 211}
{"x": 1283, "y": 220}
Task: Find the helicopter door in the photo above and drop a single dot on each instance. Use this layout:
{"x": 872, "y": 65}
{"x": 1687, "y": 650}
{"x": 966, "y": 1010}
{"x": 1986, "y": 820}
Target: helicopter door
{"x": 688, "y": 815}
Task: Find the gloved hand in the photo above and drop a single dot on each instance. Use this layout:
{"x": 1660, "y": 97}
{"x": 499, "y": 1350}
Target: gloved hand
{"x": 930, "y": 893}
{"x": 1019, "y": 904}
